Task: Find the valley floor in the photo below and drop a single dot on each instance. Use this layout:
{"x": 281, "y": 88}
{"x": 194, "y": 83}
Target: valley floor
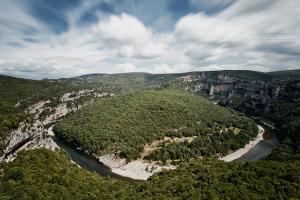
{"x": 139, "y": 169}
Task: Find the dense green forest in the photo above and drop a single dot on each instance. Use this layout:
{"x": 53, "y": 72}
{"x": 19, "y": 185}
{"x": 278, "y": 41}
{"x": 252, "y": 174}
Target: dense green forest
{"x": 125, "y": 124}
{"x": 42, "y": 174}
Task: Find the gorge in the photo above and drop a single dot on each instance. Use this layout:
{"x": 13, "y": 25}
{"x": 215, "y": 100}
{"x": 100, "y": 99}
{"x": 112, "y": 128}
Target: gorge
{"x": 189, "y": 130}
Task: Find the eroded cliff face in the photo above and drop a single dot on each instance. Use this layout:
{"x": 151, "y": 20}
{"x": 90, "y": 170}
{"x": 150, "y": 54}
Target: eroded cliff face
{"x": 37, "y": 132}
{"x": 251, "y": 96}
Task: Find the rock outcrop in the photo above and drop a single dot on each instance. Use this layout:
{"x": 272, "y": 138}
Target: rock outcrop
{"x": 34, "y": 134}
{"x": 249, "y": 95}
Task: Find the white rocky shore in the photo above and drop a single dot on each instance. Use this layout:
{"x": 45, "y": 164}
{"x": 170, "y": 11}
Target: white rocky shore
{"x": 240, "y": 152}
{"x": 137, "y": 169}
{"x": 141, "y": 169}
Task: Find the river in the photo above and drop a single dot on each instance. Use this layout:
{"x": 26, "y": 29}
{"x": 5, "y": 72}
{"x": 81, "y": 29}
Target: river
{"x": 86, "y": 161}
{"x": 264, "y": 147}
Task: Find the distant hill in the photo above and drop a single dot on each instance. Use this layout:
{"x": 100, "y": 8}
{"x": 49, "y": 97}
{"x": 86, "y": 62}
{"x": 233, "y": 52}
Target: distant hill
{"x": 286, "y": 75}
{"x": 139, "y": 80}
{"x": 126, "y": 81}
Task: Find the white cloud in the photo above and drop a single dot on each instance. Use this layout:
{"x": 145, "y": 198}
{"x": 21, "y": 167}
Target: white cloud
{"x": 163, "y": 68}
{"x": 245, "y": 32}
{"x": 204, "y": 29}
{"x": 126, "y": 67}
{"x": 124, "y": 29}
{"x": 131, "y": 37}
{"x": 257, "y": 35}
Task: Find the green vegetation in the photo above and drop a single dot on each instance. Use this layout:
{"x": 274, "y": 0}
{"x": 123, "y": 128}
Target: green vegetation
{"x": 206, "y": 144}
{"x": 212, "y": 179}
{"x": 42, "y": 174}
{"x": 287, "y": 74}
{"x": 28, "y": 92}
{"x": 126, "y": 81}
{"x": 125, "y": 124}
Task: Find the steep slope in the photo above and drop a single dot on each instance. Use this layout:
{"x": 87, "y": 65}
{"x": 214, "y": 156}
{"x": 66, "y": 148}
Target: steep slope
{"x": 124, "y": 124}
{"x": 285, "y": 113}
{"x": 19, "y": 96}
{"x": 247, "y": 91}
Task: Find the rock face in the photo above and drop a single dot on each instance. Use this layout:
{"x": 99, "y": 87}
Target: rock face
{"x": 249, "y": 95}
{"x": 34, "y": 134}
{"x": 46, "y": 142}
{"x": 17, "y": 138}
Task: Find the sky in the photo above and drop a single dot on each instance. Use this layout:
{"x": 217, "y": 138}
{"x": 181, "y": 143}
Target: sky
{"x": 65, "y": 38}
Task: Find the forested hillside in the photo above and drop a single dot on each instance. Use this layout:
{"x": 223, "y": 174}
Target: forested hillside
{"x": 42, "y": 174}
{"x": 125, "y": 124}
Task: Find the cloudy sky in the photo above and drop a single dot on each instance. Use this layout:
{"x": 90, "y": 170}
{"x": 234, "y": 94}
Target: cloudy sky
{"x": 64, "y": 38}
